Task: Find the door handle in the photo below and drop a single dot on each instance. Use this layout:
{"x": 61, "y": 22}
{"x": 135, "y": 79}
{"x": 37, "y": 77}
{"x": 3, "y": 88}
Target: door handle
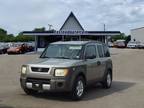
{"x": 98, "y": 63}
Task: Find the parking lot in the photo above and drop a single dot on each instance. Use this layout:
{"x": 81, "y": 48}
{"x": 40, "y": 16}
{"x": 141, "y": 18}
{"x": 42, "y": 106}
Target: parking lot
{"x": 127, "y": 90}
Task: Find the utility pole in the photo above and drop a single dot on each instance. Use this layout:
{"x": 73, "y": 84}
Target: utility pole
{"x": 106, "y": 37}
{"x": 50, "y": 26}
{"x": 104, "y": 27}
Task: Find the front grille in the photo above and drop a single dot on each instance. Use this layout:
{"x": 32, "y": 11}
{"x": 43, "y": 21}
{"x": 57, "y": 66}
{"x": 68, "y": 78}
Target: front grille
{"x": 39, "y": 69}
{"x": 38, "y": 80}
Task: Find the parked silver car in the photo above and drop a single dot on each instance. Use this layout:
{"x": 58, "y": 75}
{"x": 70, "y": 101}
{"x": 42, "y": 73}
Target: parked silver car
{"x": 133, "y": 44}
{"x": 68, "y": 67}
{"x": 3, "y": 49}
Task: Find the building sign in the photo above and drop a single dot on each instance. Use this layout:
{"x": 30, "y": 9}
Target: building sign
{"x": 71, "y": 32}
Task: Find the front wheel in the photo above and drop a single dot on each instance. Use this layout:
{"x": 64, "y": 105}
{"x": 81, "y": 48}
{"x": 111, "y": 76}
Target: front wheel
{"x": 107, "y": 82}
{"x": 78, "y": 88}
{"x": 30, "y": 91}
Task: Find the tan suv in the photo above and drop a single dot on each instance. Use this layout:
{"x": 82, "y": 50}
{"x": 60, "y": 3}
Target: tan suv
{"x": 68, "y": 67}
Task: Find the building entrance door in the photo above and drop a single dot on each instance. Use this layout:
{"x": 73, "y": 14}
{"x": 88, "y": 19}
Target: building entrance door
{"x": 72, "y": 38}
{"x": 75, "y": 38}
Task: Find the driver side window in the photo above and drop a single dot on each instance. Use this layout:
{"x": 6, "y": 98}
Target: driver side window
{"x": 90, "y": 52}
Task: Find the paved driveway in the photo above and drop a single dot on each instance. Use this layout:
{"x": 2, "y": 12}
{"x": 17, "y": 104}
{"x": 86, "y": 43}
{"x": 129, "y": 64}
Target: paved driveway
{"x": 127, "y": 90}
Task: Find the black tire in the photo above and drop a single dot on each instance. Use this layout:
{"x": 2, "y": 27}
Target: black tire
{"x": 74, "y": 94}
{"x": 2, "y": 52}
{"x": 20, "y": 52}
{"x": 107, "y": 82}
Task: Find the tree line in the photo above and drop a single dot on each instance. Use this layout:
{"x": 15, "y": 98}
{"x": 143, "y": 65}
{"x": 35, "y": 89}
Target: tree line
{"x": 122, "y": 36}
{"x": 5, "y": 37}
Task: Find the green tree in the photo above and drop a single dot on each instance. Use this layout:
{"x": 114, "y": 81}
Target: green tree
{"x": 39, "y": 29}
{"x": 3, "y": 34}
{"x": 22, "y": 38}
{"x": 128, "y": 38}
{"x": 118, "y": 37}
{"x": 4, "y": 37}
{"x": 122, "y": 36}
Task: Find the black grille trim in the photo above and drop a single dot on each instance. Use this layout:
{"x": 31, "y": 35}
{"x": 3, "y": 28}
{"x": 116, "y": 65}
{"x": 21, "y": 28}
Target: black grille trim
{"x": 38, "y": 80}
{"x": 39, "y": 69}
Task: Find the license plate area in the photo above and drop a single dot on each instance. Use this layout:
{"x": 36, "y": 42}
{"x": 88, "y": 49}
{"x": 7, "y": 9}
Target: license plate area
{"x": 37, "y": 86}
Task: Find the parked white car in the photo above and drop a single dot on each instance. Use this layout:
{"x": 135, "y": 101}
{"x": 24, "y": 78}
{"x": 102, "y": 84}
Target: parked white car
{"x": 141, "y": 46}
{"x": 110, "y": 44}
{"x": 133, "y": 44}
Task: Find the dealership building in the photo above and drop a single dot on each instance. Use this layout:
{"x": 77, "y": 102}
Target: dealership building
{"x": 138, "y": 34}
{"x": 71, "y": 30}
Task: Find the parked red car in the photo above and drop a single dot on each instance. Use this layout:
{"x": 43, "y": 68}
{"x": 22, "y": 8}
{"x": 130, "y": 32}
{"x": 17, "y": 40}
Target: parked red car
{"x": 18, "y": 49}
{"x": 120, "y": 44}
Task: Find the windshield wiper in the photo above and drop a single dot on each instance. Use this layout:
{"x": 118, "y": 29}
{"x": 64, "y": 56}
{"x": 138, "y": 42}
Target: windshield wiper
{"x": 44, "y": 57}
{"x": 56, "y": 57}
{"x": 62, "y": 57}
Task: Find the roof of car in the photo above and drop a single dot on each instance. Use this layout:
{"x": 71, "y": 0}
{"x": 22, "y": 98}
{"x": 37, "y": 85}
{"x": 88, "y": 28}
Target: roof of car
{"x": 74, "y": 42}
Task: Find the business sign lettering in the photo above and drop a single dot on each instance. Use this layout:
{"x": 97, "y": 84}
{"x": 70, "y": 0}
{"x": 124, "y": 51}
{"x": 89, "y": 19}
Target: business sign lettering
{"x": 71, "y": 32}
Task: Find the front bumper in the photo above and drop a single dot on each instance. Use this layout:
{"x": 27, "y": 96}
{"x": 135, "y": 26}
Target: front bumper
{"x": 53, "y": 85}
{"x": 13, "y": 52}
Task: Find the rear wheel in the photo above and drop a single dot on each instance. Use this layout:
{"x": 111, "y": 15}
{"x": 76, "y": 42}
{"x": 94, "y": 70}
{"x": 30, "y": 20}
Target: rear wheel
{"x": 78, "y": 88}
{"x": 107, "y": 82}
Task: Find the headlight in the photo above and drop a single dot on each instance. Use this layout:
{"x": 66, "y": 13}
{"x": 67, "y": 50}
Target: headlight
{"x": 23, "y": 69}
{"x": 17, "y": 49}
{"x": 61, "y": 72}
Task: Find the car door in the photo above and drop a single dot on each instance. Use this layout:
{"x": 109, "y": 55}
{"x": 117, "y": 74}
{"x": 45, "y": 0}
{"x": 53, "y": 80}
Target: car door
{"x": 91, "y": 62}
{"x": 101, "y": 60}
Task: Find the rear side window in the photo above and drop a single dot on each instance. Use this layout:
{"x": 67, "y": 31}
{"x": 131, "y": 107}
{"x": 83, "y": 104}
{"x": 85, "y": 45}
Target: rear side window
{"x": 106, "y": 51}
{"x": 100, "y": 51}
{"x": 90, "y": 51}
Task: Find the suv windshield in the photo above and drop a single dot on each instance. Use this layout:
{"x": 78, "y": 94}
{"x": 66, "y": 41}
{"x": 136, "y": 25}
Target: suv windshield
{"x": 62, "y": 51}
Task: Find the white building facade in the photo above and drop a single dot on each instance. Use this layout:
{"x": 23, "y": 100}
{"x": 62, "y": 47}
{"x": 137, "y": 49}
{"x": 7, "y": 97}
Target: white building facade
{"x": 138, "y": 34}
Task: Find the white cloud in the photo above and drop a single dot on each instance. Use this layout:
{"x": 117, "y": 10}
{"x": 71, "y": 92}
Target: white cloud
{"x": 123, "y": 15}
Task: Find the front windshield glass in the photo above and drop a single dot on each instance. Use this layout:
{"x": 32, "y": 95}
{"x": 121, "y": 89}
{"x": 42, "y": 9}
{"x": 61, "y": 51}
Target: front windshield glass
{"x": 62, "y": 51}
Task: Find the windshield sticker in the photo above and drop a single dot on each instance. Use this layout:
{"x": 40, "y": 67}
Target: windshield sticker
{"x": 75, "y": 47}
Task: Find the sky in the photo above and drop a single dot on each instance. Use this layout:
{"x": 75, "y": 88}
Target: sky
{"x": 117, "y": 15}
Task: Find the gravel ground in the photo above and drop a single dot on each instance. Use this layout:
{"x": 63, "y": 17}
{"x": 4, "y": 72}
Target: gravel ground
{"x": 127, "y": 90}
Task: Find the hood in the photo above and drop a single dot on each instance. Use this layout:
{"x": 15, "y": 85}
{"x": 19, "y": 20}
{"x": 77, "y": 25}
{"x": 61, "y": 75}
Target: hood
{"x": 52, "y": 62}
